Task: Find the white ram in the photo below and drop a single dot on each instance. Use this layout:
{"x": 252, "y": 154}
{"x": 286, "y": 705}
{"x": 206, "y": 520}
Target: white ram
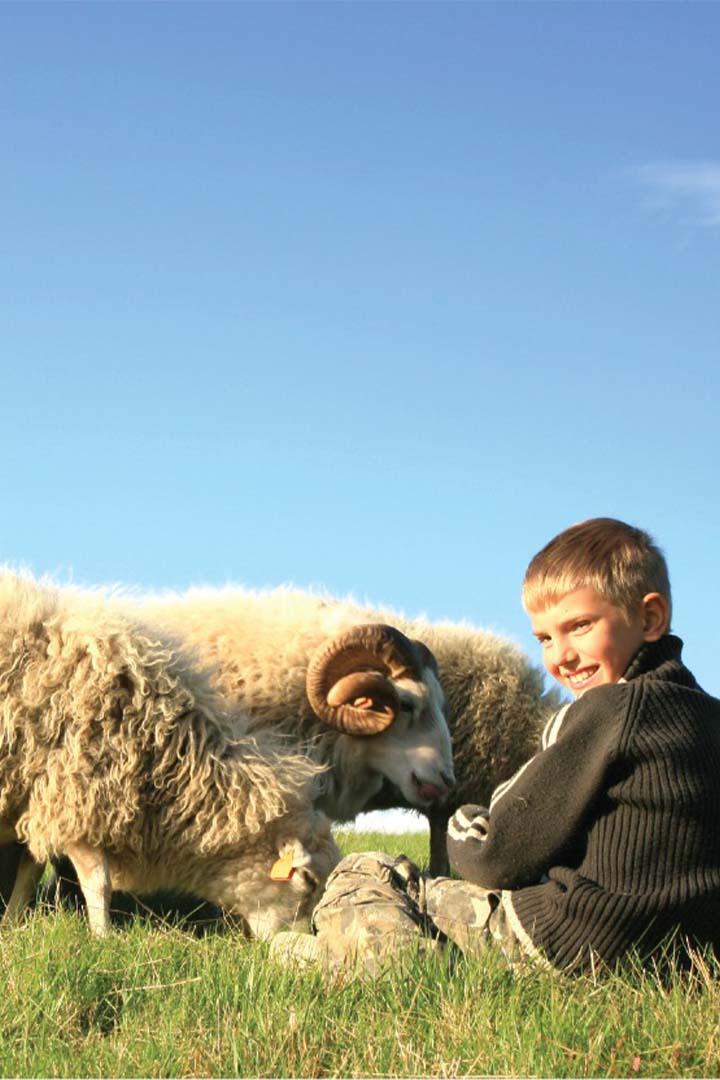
{"x": 365, "y": 696}
{"x": 262, "y": 643}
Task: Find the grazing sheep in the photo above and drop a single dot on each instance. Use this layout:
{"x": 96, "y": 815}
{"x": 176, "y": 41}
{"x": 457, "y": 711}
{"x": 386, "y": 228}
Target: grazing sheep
{"x": 116, "y": 752}
{"x": 262, "y": 643}
{"x": 366, "y": 697}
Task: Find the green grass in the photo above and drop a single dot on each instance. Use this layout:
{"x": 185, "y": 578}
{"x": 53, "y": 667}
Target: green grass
{"x": 154, "y": 999}
{"x": 414, "y": 845}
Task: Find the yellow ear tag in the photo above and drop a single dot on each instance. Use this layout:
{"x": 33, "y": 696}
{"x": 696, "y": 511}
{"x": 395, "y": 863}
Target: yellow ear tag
{"x": 282, "y": 870}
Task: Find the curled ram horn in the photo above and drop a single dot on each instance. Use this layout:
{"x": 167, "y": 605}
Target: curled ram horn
{"x": 427, "y": 657}
{"x": 350, "y": 679}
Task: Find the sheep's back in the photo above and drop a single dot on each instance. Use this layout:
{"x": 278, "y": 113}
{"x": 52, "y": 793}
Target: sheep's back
{"x": 257, "y": 647}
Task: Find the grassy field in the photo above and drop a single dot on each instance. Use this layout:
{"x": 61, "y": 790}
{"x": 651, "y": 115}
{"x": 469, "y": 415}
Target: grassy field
{"x": 157, "y": 999}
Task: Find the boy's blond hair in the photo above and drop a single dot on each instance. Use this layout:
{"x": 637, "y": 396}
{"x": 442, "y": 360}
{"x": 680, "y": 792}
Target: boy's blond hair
{"x": 620, "y": 562}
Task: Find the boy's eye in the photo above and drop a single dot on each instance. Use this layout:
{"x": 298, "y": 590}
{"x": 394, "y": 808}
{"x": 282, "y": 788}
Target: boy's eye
{"x": 583, "y": 624}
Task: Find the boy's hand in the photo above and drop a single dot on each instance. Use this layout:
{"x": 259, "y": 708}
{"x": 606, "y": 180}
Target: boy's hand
{"x": 467, "y": 831}
{"x": 470, "y": 822}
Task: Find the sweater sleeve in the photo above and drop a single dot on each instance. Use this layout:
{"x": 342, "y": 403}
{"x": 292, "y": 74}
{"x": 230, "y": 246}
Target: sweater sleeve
{"x": 545, "y": 809}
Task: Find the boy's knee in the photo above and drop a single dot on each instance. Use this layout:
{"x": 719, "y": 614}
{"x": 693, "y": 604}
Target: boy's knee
{"x": 369, "y": 910}
{"x": 369, "y": 889}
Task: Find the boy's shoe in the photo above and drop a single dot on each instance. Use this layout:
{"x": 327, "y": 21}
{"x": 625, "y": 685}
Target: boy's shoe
{"x": 461, "y": 911}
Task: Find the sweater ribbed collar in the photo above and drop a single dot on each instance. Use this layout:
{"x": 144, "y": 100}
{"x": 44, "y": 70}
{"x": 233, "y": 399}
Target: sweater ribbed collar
{"x": 653, "y": 654}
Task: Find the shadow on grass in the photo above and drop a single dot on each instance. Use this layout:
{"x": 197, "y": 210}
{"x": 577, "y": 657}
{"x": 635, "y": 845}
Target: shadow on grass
{"x": 167, "y": 909}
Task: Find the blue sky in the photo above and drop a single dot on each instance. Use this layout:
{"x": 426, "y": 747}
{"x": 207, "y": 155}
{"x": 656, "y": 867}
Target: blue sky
{"x": 363, "y": 296}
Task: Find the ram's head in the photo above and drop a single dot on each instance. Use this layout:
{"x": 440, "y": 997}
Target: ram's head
{"x": 372, "y": 680}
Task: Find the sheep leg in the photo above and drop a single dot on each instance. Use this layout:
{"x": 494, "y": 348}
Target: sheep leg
{"x": 27, "y": 877}
{"x": 439, "y": 817}
{"x": 94, "y": 876}
{"x": 63, "y": 888}
{"x": 10, "y": 856}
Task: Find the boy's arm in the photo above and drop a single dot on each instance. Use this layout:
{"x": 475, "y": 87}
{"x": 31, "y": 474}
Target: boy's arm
{"x": 543, "y": 813}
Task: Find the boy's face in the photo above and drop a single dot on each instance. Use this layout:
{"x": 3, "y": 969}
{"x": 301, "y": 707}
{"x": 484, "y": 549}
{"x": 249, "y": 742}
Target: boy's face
{"x": 588, "y": 641}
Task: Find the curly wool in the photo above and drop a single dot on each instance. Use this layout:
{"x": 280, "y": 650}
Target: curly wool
{"x": 109, "y": 735}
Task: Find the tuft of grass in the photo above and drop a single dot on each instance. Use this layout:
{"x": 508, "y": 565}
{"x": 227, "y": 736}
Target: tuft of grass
{"x": 154, "y": 999}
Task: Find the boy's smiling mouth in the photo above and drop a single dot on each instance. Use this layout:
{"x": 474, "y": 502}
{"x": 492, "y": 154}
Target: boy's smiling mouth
{"x": 578, "y": 679}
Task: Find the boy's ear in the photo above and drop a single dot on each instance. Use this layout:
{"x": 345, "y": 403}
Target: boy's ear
{"x": 656, "y": 616}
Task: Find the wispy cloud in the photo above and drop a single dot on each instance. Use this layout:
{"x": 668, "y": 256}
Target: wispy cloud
{"x": 693, "y": 188}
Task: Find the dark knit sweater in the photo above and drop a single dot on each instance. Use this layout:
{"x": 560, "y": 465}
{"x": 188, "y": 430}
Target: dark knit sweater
{"x": 610, "y": 836}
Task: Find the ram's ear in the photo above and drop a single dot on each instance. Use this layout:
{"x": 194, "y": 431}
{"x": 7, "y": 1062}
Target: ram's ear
{"x": 293, "y": 856}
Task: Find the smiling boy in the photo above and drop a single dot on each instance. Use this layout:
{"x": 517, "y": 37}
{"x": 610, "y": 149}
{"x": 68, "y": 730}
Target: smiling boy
{"x": 594, "y": 595}
{"x": 609, "y": 838}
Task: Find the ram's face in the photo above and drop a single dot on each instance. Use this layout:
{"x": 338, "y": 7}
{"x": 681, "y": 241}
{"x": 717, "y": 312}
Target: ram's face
{"x": 415, "y": 752}
{"x": 382, "y": 690}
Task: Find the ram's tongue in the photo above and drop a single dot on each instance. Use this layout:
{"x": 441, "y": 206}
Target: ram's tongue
{"x": 430, "y": 792}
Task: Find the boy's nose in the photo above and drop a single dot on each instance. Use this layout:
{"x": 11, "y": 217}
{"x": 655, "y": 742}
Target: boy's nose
{"x": 565, "y": 654}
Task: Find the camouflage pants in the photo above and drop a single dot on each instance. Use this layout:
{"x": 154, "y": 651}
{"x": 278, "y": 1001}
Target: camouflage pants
{"x": 374, "y": 905}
